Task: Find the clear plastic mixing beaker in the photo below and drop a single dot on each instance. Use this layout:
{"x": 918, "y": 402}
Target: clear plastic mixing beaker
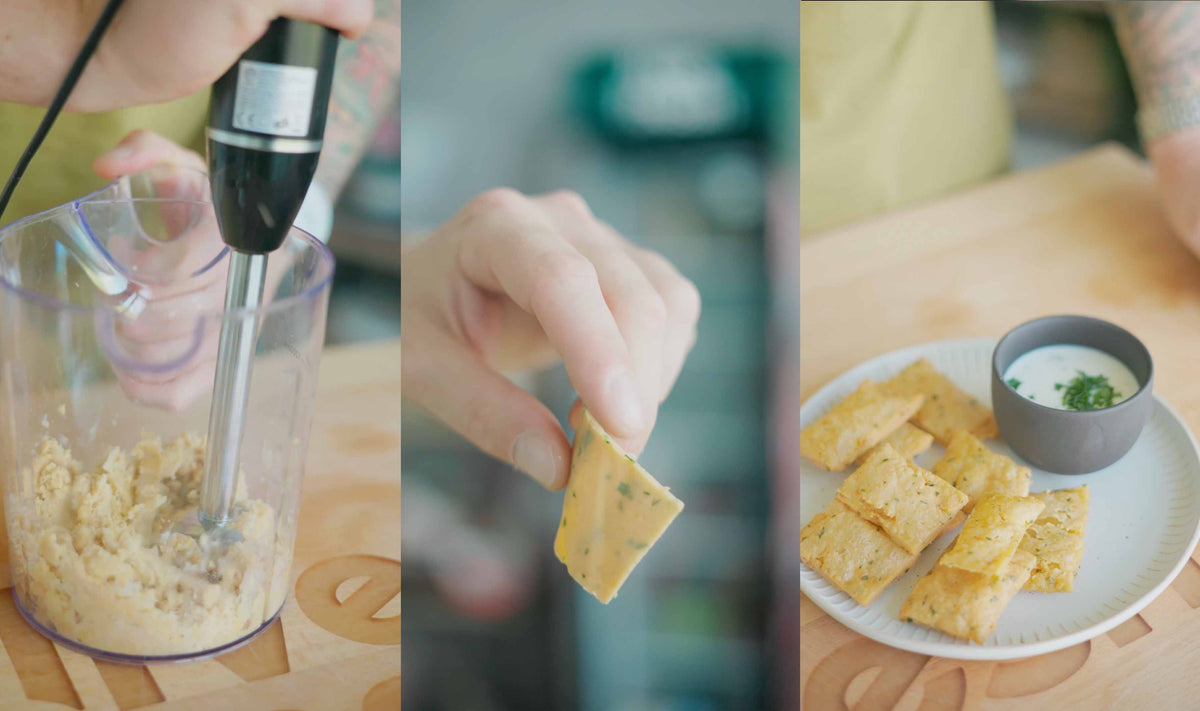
{"x": 110, "y": 310}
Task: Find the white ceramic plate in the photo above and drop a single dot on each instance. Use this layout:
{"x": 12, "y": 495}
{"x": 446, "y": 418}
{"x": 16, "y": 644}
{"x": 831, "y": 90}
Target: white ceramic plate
{"x": 1143, "y": 523}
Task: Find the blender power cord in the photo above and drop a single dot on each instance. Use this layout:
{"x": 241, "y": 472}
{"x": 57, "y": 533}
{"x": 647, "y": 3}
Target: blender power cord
{"x": 60, "y": 99}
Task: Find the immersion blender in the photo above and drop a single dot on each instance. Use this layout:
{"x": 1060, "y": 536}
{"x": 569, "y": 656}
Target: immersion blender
{"x": 265, "y": 128}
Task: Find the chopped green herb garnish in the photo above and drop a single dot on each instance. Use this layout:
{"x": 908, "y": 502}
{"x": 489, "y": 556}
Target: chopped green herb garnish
{"x": 623, "y": 489}
{"x": 636, "y": 545}
{"x": 564, "y": 522}
{"x": 630, "y": 458}
{"x": 1013, "y": 383}
{"x": 1087, "y": 392}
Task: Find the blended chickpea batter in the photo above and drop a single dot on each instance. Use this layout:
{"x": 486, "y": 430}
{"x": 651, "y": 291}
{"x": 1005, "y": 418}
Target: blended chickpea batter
{"x": 103, "y": 567}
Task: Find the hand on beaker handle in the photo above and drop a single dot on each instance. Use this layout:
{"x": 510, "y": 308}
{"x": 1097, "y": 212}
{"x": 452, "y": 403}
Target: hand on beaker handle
{"x": 165, "y": 354}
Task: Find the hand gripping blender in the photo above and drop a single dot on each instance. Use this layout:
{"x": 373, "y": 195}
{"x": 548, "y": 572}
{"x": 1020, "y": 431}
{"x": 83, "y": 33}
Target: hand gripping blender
{"x": 265, "y": 128}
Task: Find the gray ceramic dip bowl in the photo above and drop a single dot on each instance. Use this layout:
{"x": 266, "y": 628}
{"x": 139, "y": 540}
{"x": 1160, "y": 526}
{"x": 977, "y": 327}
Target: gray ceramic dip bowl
{"x": 1071, "y": 441}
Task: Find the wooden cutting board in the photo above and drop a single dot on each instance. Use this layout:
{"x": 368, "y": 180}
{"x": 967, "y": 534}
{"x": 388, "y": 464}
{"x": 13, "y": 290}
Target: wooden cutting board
{"x": 1082, "y": 236}
{"x": 336, "y": 645}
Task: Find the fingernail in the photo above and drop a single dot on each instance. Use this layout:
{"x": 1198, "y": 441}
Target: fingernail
{"x": 532, "y": 454}
{"x": 623, "y": 402}
{"x": 119, "y": 153}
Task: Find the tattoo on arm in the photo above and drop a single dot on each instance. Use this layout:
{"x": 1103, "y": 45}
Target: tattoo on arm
{"x": 1161, "y": 42}
{"x": 364, "y": 87}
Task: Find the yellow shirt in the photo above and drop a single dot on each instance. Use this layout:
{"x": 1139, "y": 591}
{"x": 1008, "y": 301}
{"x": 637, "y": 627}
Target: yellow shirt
{"x": 62, "y": 169}
{"x": 899, "y": 101}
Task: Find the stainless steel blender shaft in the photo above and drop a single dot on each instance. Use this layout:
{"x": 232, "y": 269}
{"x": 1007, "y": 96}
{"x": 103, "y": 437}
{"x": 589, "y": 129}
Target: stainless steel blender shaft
{"x": 231, "y": 389}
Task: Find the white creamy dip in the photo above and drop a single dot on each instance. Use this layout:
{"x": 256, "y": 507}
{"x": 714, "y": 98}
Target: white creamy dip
{"x": 1046, "y": 375}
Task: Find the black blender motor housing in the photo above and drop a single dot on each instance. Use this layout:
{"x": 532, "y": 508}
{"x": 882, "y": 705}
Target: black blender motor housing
{"x": 260, "y": 169}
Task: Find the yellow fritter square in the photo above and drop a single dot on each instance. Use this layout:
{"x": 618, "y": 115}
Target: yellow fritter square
{"x": 908, "y": 440}
{"x": 964, "y": 604}
{"x": 855, "y": 425}
{"x": 613, "y": 512}
{"x": 992, "y": 533}
{"x": 852, "y": 553}
{"x": 1056, "y": 538}
{"x": 976, "y": 470}
{"x": 904, "y": 500}
{"x": 946, "y": 408}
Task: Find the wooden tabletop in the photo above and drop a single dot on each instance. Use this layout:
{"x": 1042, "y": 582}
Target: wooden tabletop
{"x": 336, "y": 645}
{"x": 1083, "y": 236}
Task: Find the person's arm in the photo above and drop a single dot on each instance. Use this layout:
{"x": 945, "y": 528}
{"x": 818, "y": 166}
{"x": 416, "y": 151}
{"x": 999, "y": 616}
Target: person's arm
{"x": 39, "y": 39}
{"x": 364, "y": 88}
{"x": 1161, "y": 43}
{"x": 155, "y": 50}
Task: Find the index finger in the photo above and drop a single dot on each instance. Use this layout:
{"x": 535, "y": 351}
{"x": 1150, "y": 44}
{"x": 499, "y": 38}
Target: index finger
{"x": 510, "y": 248}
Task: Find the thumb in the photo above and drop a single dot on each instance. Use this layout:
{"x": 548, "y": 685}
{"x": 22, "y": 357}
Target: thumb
{"x": 482, "y": 405}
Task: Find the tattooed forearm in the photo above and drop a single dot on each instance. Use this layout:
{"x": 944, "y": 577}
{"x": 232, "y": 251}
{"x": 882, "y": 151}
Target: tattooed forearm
{"x": 1161, "y": 42}
{"x": 366, "y": 83}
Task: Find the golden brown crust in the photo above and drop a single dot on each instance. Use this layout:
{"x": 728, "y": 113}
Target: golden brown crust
{"x": 853, "y": 554}
{"x": 992, "y": 533}
{"x": 904, "y": 500}
{"x": 908, "y": 440}
{"x": 946, "y": 408}
{"x": 855, "y": 425}
{"x": 1056, "y": 538}
{"x": 977, "y": 471}
{"x": 964, "y": 604}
